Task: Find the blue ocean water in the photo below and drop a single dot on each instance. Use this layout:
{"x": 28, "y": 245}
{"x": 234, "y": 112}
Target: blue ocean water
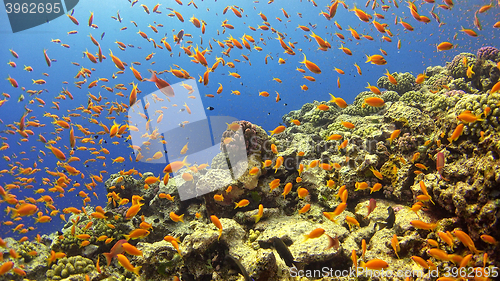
{"x": 417, "y": 52}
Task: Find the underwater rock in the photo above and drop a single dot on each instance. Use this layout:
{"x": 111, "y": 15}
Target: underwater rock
{"x": 439, "y": 80}
{"x": 247, "y": 217}
{"x": 294, "y": 144}
{"x": 213, "y": 180}
{"x": 246, "y": 180}
{"x": 126, "y": 186}
{"x": 311, "y": 117}
{"x": 254, "y": 136}
{"x": 472, "y": 196}
{"x": 293, "y": 229}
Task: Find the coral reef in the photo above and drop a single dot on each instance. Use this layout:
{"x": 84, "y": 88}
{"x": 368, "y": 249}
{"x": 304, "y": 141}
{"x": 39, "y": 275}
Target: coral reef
{"x": 375, "y": 180}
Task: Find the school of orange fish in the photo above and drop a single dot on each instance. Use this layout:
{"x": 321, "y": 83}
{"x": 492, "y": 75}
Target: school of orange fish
{"x": 72, "y": 142}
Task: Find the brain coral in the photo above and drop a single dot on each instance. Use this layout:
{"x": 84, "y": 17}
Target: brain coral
{"x": 406, "y": 82}
{"x": 253, "y": 135}
{"x": 487, "y": 53}
{"x": 456, "y": 67}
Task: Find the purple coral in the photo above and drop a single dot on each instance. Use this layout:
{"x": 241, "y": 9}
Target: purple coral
{"x": 253, "y": 136}
{"x": 407, "y": 142}
{"x": 452, "y": 93}
{"x": 487, "y": 53}
{"x": 441, "y": 80}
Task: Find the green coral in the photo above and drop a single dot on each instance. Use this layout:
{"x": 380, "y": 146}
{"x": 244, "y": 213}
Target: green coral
{"x": 321, "y": 117}
{"x": 406, "y": 82}
{"x": 66, "y": 267}
{"x": 253, "y": 235}
{"x": 476, "y": 104}
{"x": 456, "y": 67}
{"x": 25, "y": 248}
{"x": 390, "y": 96}
{"x": 440, "y": 102}
{"x": 414, "y": 99}
{"x": 435, "y": 82}
{"x": 461, "y": 84}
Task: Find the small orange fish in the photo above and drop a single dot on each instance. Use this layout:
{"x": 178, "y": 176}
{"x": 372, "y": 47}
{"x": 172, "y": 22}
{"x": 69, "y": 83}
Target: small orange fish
{"x": 315, "y": 233}
{"x": 242, "y": 203}
{"x": 302, "y": 192}
{"x": 444, "y": 46}
{"x": 176, "y": 217}
{"x": 375, "y": 264}
{"x": 215, "y": 220}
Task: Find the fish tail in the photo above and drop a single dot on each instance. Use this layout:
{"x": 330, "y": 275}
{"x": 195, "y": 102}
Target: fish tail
{"x": 136, "y": 270}
{"x": 109, "y": 257}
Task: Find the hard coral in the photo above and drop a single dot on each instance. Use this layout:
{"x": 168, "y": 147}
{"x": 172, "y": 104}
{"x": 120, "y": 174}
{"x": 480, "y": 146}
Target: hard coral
{"x": 456, "y": 67}
{"x": 452, "y": 93}
{"x": 406, "y": 82}
{"x": 437, "y": 81}
{"x": 487, "y": 53}
{"x": 407, "y": 142}
{"x": 254, "y": 137}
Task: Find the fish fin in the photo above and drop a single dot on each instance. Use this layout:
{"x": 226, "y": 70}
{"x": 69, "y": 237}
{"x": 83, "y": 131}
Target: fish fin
{"x": 109, "y": 257}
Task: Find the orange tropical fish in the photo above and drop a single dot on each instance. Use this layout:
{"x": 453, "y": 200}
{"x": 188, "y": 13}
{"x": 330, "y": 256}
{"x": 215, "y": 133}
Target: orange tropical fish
{"x": 311, "y": 66}
{"x": 314, "y": 233}
{"x": 215, "y": 220}
{"x": 373, "y": 101}
{"x": 351, "y": 221}
{"x": 305, "y": 209}
{"x": 123, "y": 261}
{"x": 444, "y": 46}
{"x": 376, "y": 59}
{"x": 391, "y": 78}
{"x": 423, "y": 225}
{"x": 375, "y": 264}
{"x": 394, "y": 135}
{"x": 137, "y": 234}
{"x": 176, "y": 218}
{"x": 348, "y": 125}
{"x": 302, "y": 192}
{"x": 241, "y": 204}
{"x": 469, "y": 32}
{"x": 278, "y": 130}
{"x": 259, "y": 214}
